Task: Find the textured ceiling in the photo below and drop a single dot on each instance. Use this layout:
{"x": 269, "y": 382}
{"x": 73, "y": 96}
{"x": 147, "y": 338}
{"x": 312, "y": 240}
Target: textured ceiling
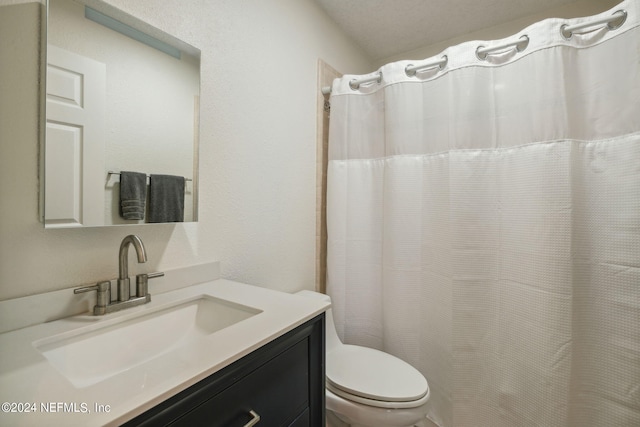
{"x": 383, "y": 28}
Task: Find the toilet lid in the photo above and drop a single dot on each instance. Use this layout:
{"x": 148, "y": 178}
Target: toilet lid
{"x": 373, "y": 374}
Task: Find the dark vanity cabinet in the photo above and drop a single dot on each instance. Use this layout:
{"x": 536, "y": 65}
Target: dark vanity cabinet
{"x": 281, "y": 382}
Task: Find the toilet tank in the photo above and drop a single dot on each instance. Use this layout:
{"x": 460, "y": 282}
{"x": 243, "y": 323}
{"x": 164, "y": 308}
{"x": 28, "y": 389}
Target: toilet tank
{"x": 332, "y": 339}
{"x": 312, "y": 294}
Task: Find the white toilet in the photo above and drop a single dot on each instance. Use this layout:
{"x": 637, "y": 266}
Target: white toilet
{"x": 367, "y": 387}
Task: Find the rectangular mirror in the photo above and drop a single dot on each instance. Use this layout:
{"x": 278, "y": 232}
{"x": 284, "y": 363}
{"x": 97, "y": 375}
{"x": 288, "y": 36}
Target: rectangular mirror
{"x": 121, "y": 95}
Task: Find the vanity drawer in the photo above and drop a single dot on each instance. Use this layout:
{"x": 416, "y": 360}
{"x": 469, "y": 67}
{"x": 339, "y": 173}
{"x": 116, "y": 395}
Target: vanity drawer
{"x": 278, "y": 392}
{"x": 283, "y": 382}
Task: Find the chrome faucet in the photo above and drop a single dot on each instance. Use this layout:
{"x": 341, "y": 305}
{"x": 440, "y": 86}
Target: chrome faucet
{"x": 124, "y": 300}
{"x": 124, "y": 287}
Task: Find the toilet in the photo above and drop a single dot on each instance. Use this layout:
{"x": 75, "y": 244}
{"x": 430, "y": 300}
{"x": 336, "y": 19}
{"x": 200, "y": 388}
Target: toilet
{"x": 367, "y": 387}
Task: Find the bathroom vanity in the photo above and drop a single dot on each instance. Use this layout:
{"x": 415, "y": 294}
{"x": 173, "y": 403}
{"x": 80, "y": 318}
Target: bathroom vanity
{"x": 280, "y": 384}
{"x": 219, "y": 353}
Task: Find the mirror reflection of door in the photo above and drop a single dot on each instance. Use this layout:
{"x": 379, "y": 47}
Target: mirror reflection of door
{"x": 74, "y": 140}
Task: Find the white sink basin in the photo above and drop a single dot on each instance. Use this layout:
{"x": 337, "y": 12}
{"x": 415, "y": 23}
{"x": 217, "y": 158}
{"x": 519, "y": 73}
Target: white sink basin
{"x": 95, "y": 353}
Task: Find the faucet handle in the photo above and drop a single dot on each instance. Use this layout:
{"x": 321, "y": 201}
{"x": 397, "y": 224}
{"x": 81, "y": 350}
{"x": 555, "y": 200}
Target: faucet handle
{"x": 142, "y": 282}
{"x": 102, "y": 288}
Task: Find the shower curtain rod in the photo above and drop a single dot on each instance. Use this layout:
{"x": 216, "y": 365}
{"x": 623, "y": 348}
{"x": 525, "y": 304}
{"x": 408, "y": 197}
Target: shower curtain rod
{"x": 410, "y": 69}
{"x": 482, "y": 51}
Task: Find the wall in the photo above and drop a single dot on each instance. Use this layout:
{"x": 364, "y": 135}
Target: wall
{"x": 257, "y": 149}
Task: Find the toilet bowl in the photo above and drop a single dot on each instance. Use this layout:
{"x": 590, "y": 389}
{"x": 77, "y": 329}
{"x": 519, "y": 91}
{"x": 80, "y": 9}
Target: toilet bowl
{"x": 368, "y": 387}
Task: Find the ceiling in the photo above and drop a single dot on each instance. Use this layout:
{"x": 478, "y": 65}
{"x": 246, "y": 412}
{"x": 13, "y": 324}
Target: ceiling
{"x": 383, "y": 28}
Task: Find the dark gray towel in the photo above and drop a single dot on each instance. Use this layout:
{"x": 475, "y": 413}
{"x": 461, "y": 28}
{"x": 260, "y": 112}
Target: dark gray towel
{"x": 166, "y": 198}
{"x": 133, "y": 194}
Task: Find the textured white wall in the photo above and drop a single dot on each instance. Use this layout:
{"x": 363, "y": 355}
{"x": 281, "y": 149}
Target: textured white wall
{"x": 257, "y": 149}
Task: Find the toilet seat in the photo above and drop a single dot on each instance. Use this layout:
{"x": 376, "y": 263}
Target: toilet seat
{"x": 374, "y": 378}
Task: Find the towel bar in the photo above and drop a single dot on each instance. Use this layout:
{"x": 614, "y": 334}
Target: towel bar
{"x": 118, "y": 173}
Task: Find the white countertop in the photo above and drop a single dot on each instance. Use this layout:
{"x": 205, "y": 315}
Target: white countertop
{"x": 32, "y": 386}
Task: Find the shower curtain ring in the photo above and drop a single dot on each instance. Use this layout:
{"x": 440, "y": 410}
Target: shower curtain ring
{"x": 354, "y": 84}
{"x": 613, "y": 22}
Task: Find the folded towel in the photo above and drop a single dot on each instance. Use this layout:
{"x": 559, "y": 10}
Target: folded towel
{"x": 166, "y": 198}
{"x": 133, "y": 194}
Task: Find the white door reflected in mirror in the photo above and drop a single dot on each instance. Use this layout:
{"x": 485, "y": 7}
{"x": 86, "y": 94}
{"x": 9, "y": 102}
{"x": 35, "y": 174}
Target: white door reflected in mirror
{"x": 74, "y": 140}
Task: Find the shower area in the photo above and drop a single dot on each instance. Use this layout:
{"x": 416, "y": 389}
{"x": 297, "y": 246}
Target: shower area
{"x": 483, "y": 217}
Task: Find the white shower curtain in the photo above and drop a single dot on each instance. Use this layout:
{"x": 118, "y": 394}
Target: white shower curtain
{"x": 484, "y": 225}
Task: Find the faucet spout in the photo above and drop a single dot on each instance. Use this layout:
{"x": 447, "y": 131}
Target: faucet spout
{"x": 124, "y": 289}
{"x": 124, "y": 254}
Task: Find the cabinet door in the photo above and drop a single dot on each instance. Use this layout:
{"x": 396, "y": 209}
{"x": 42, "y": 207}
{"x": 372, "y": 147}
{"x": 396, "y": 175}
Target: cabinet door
{"x": 278, "y": 392}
